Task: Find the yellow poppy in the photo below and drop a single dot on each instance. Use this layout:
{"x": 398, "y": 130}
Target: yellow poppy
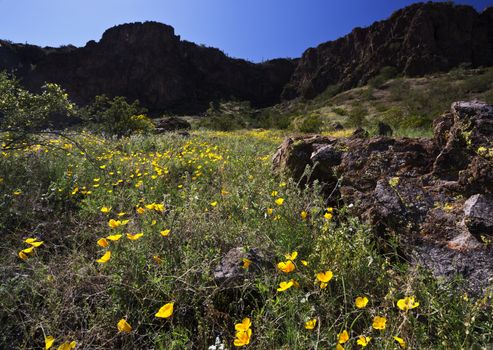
{"x": 213, "y": 204}
{"x": 407, "y": 303}
{"x": 279, "y": 201}
{"x": 114, "y": 237}
{"x": 363, "y": 341}
{"x": 135, "y": 236}
{"x": 140, "y": 210}
{"x": 123, "y": 326}
{"x": 165, "y": 233}
{"x": 310, "y": 324}
{"x": 270, "y": 211}
{"x": 285, "y": 286}
{"x": 304, "y": 262}
{"x": 165, "y": 311}
{"x": 401, "y": 342}
{"x": 361, "y": 302}
{"x": 23, "y": 255}
{"x": 286, "y": 266}
{"x": 246, "y": 263}
{"x": 343, "y": 337}
{"x": 244, "y": 325}
{"x": 49, "y": 340}
{"x": 325, "y": 277}
{"x": 339, "y": 347}
{"x": 304, "y": 215}
{"x": 379, "y": 322}
{"x": 292, "y": 256}
{"x": 105, "y": 210}
{"x": 28, "y": 250}
{"x": 243, "y": 338}
{"x": 105, "y": 258}
{"x": 103, "y": 242}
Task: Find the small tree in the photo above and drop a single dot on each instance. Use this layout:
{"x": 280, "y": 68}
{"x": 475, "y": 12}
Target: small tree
{"x": 25, "y": 115}
{"x": 116, "y": 116}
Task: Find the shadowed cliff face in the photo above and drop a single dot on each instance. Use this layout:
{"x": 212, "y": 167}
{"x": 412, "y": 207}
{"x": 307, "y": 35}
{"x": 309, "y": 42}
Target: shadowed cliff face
{"x": 148, "y": 62}
{"x": 417, "y": 40}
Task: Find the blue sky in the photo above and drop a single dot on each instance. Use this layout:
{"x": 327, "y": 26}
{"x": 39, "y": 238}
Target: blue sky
{"x": 250, "y": 29}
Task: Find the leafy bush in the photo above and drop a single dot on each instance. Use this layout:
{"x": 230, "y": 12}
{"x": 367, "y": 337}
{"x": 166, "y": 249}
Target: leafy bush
{"x": 23, "y": 115}
{"x": 116, "y": 116}
{"x": 310, "y": 123}
{"x": 357, "y": 116}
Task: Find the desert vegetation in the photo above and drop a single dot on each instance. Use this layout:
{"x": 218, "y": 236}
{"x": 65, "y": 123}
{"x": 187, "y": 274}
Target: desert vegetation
{"x": 113, "y": 237}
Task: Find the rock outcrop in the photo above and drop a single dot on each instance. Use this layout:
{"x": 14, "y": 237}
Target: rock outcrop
{"x": 435, "y": 194}
{"x": 420, "y": 39}
{"x": 148, "y": 62}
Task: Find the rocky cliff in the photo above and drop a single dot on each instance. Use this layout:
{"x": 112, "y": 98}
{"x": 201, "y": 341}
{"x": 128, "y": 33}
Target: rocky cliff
{"x": 148, "y": 62}
{"x": 417, "y": 40}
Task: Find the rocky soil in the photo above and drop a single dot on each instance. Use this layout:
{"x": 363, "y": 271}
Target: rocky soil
{"x": 434, "y": 194}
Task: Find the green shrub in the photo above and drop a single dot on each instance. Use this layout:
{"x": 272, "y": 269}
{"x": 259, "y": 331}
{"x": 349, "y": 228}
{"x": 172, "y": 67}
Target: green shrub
{"x": 116, "y": 116}
{"x": 23, "y": 115}
{"x": 357, "y": 116}
{"x": 311, "y": 123}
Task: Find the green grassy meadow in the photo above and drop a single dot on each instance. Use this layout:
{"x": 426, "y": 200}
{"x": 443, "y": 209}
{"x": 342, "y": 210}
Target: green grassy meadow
{"x": 180, "y": 204}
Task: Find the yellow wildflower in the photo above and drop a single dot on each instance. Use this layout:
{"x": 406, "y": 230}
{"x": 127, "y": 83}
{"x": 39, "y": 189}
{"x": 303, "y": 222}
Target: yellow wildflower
{"x": 165, "y": 311}
{"x": 407, "y": 303}
{"x": 105, "y": 258}
{"x": 379, "y": 322}
{"x": 49, "y": 340}
{"x": 363, "y": 341}
{"x": 401, "y": 342}
{"x": 23, "y": 255}
{"x": 343, "y": 337}
{"x": 270, "y": 211}
{"x": 103, "y": 242}
{"x": 213, "y": 204}
{"x": 304, "y": 262}
{"x": 244, "y": 325}
{"x": 361, "y": 302}
{"x": 325, "y": 277}
{"x": 246, "y": 263}
{"x": 292, "y": 256}
{"x": 286, "y": 266}
{"x": 310, "y": 324}
{"x": 165, "y": 233}
{"x": 134, "y": 237}
{"x": 303, "y": 215}
{"x": 105, "y": 210}
{"x": 123, "y": 326}
{"x": 285, "y": 286}
{"x": 140, "y": 210}
{"x": 279, "y": 201}
{"x": 114, "y": 237}
{"x": 243, "y": 338}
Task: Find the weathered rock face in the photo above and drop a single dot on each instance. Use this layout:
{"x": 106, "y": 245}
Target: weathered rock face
{"x": 435, "y": 194}
{"x": 417, "y": 40}
{"x": 171, "y": 124}
{"x": 148, "y": 62}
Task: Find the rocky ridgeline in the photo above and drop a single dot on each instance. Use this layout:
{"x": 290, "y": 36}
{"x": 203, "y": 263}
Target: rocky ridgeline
{"x": 148, "y": 62}
{"x": 435, "y": 194}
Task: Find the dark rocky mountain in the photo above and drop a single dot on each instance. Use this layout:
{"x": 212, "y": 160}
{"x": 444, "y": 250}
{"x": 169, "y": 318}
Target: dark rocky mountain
{"x": 148, "y": 62}
{"x": 417, "y": 40}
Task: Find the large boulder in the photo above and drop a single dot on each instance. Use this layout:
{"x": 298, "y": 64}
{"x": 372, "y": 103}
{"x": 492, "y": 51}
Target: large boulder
{"x": 434, "y": 193}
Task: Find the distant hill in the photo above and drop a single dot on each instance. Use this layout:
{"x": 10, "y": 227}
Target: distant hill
{"x": 148, "y": 62}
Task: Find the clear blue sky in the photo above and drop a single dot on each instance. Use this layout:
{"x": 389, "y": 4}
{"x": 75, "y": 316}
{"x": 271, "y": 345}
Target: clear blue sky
{"x": 250, "y": 29}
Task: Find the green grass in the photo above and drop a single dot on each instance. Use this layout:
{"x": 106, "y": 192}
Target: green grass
{"x": 60, "y": 290}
